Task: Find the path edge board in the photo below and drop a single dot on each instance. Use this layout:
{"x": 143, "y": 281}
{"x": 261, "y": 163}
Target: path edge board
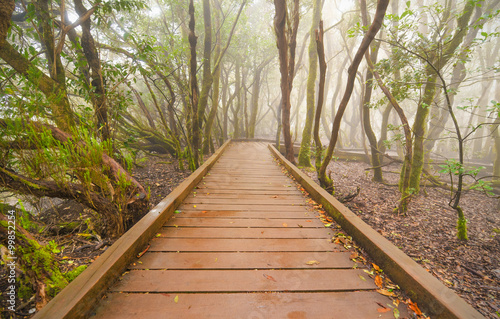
{"x": 81, "y": 296}
{"x": 432, "y": 296}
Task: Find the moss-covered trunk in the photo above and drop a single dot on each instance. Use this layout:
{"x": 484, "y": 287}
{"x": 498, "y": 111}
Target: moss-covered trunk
{"x": 305, "y": 145}
{"x": 35, "y": 261}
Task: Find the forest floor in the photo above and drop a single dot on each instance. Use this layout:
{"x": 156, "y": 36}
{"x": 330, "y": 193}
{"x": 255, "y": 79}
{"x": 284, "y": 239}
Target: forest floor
{"x": 428, "y": 233}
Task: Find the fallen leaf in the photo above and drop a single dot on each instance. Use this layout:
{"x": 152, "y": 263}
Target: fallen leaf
{"x": 176, "y": 299}
{"x": 269, "y": 277}
{"x": 378, "y": 281}
{"x": 177, "y": 212}
{"x": 386, "y": 292}
{"x": 382, "y": 310}
{"x": 142, "y": 252}
{"x": 312, "y": 262}
{"x": 396, "y": 313}
{"x": 377, "y": 268}
{"x": 363, "y": 278}
{"x": 203, "y": 211}
{"x": 354, "y": 255}
{"x": 285, "y": 225}
{"x": 194, "y": 206}
{"x": 308, "y": 221}
{"x": 413, "y": 306}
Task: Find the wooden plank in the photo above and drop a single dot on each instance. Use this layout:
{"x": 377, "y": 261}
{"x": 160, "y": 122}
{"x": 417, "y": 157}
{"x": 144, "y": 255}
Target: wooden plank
{"x": 236, "y": 260}
{"x": 263, "y": 200}
{"x": 239, "y": 244}
{"x": 170, "y": 281}
{"x": 272, "y": 192}
{"x": 257, "y": 186}
{"x": 245, "y": 214}
{"x": 246, "y": 196}
{"x": 199, "y": 232}
{"x": 79, "y": 297}
{"x": 244, "y": 222}
{"x": 320, "y": 305}
{"x": 269, "y": 180}
{"x": 236, "y": 206}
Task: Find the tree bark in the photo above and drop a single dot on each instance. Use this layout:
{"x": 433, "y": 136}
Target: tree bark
{"x": 98, "y": 96}
{"x": 193, "y": 91}
{"x": 365, "y": 111}
{"x": 419, "y": 126}
{"x": 325, "y": 181}
{"x": 305, "y": 146}
{"x": 286, "y": 50}
{"x": 321, "y": 93}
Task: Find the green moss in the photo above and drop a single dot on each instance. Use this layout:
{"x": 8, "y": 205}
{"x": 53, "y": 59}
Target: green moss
{"x": 71, "y": 275}
{"x": 461, "y": 224}
{"x": 25, "y": 291}
{"x": 39, "y": 262}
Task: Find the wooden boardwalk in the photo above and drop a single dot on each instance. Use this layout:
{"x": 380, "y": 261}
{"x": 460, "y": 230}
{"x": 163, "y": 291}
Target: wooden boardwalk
{"x": 244, "y": 244}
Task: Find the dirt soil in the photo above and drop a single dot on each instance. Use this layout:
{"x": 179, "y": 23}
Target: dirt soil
{"x": 428, "y": 232}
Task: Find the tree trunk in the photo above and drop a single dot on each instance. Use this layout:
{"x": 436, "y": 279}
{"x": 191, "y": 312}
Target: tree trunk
{"x": 286, "y": 50}
{"x": 321, "y": 93}
{"x": 325, "y": 181}
{"x": 419, "y": 126}
{"x": 98, "y": 96}
{"x": 215, "y": 86}
{"x": 372, "y": 139}
{"x": 193, "y": 85}
{"x": 35, "y": 261}
{"x": 305, "y": 146}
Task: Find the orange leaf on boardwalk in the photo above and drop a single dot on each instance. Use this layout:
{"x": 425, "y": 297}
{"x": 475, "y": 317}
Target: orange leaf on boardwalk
{"x": 142, "y": 252}
{"x": 377, "y": 268}
{"x": 378, "y": 281}
{"x": 413, "y": 306}
{"x": 386, "y": 292}
{"x": 382, "y": 310}
{"x": 285, "y": 225}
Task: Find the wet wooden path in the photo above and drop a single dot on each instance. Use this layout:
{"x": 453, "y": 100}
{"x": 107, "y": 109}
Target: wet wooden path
{"x": 244, "y": 244}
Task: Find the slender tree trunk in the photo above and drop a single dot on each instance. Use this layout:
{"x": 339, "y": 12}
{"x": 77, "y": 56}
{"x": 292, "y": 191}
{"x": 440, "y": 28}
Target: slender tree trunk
{"x": 419, "y": 126}
{"x": 215, "y": 87}
{"x": 193, "y": 85}
{"x": 325, "y": 181}
{"x": 305, "y": 146}
{"x": 372, "y": 139}
{"x": 254, "y": 103}
{"x": 207, "y": 80}
{"x": 99, "y": 94}
{"x": 321, "y": 93}
{"x": 286, "y": 67}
